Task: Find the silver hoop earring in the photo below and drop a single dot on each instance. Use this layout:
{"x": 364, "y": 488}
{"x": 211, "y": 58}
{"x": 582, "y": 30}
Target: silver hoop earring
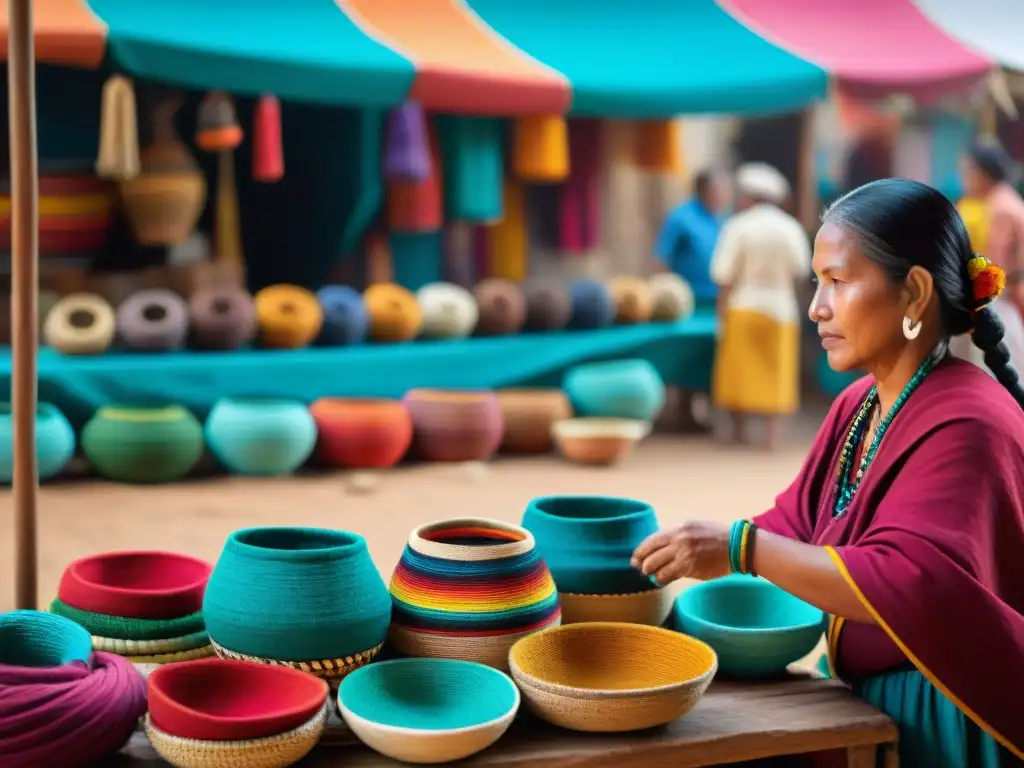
{"x": 911, "y": 330}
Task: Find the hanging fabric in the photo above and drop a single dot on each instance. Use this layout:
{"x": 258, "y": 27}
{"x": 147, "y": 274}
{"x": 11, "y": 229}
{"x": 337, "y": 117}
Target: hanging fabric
{"x": 472, "y": 149}
{"x": 579, "y": 202}
{"x": 540, "y": 148}
{"x": 118, "y": 155}
{"x": 267, "y": 141}
{"x": 407, "y": 145}
{"x": 658, "y": 146}
{"x": 508, "y": 249}
{"x": 418, "y": 206}
{"x": 459, "y": 253}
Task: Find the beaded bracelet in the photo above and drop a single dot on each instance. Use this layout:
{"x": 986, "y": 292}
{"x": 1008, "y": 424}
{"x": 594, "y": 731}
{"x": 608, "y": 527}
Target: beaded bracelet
{"x": 741, "y": 547}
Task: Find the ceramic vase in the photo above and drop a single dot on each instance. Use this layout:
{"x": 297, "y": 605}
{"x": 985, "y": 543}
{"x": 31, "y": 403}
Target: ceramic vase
{"x": 501, "y": 307}
{"x": 587, "y": 542}
{"x": 529, "y": 415}
{"x": 55, "y": 441}
{"x": 141, "y": 444}
{"x": 455, "y": 426}
{"x": 592, "y": 305}
{"x": 310, "y": 598}
{"x": 469, "y": 589}
{"x": 164, "y": 201}
{"x": 154, "y": 320}
{"x": 617, "y": 389}
{"x": 260, "y": 436}
{"x": 345, "y": 317}
{"x": 362, "y": 433}
{"x": 222, "y": 318}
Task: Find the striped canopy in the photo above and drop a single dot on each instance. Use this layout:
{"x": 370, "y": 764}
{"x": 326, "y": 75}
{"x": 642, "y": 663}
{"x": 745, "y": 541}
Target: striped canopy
{"x": 642, "y": 58}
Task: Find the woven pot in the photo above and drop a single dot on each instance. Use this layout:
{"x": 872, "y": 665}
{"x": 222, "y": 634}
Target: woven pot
{"x": 138, "y": 444}
{"x": 501, "y": 306}
{"x": 529, "y": 415}
{"x": 671, "y": 298}
{"x": 164, "y": 202}
{"x": 548, "y": 308}
{"x": 221, "y": 318}
{"x": 55, "y": 441}
{"x": 288, "y": 316}
{"x": 345, "y": 316}
{"x": 260, "y": 436}
{"x": 80, "y": 324}
{"x": 617, "y": 389}
{"x": 394, "y": 313}
{"x": 449, "y": 311}
{"x": 362, "y": 433}
{"x": 307, "y": 597}
{"x": 592, "y": 305}
{"x": 632, "y": 299}
{"x": 455, "y": 426}
{"x": 469, "y": 589}
{"x": 153, "y": 321}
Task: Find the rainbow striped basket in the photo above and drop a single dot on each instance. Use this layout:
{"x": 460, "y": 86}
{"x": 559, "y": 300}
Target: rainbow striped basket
{"x": 469, "y": 589}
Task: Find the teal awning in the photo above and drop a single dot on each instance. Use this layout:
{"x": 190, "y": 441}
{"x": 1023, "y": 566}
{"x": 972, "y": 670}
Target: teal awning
{"x": 300, "y": 50}
{"x": 655, "y": 58}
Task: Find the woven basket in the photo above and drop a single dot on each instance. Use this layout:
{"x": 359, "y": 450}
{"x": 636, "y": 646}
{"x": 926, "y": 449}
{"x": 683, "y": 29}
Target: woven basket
{"x": 491, "y": 650}
{"x": 609, "y": 677}
{"x": 652, "y": 607}
{"x": 331, "y": 670}
{"x": 150, "y": 647}
{"x": 169, "y": 658}
{"x": 272, "y": 752}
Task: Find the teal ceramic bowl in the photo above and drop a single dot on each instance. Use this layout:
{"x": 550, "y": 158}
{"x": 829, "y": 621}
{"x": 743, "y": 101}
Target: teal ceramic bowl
{"x": 756, "y": 628}
{"x": 617, "y": 389}
{"x": 260, "y": 436}
{"x": 37, "y": 639}
{"x": 55, "y": 441}
{"x": 428, "y": 710}
{"x": 587, "y": 541}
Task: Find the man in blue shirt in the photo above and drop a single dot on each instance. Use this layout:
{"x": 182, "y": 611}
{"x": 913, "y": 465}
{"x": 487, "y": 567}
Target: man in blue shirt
{"x": 685, "y": 246}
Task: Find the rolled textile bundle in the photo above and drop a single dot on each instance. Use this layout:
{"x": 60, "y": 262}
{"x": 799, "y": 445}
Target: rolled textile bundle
{"x": 407, "y": 147}
{"x": 540, "y": 148}
{"x": 471, "y": 150}
{"x": 418, "y": 205}
{"x": 658, "y": 146}
{"x": 508, "y": 246}
{"x": 579, "y": 200}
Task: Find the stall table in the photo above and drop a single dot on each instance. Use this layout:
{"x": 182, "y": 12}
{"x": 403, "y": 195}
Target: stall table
{"x": 733, "y": 722}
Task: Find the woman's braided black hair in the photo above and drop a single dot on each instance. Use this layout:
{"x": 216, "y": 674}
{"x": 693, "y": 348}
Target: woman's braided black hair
{"x": 899, "y": 224}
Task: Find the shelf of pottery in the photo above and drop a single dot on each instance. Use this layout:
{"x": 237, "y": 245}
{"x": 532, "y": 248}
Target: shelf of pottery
{"x": 481, "y": 617}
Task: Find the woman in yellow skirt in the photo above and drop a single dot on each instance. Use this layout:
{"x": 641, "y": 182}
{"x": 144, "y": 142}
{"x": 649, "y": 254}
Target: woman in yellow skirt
{"x": 761, "y": 254}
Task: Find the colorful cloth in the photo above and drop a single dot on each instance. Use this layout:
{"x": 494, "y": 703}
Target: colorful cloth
{"x": 757, "y": 366}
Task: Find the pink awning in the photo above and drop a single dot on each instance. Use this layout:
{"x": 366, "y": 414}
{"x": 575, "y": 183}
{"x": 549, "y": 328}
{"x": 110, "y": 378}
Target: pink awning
{"x": 872, "y": 47}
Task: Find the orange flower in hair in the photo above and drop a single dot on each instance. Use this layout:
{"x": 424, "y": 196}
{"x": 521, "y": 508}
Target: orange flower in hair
{"x": 987, "y": 280}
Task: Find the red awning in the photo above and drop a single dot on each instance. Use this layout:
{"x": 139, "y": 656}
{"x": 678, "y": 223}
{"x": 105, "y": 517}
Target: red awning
{"x": 872, "y": 47}
{"x": 67, "y": 32}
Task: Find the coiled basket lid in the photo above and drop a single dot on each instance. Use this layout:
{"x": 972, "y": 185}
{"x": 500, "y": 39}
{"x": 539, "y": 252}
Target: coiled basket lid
{"x": 609, "y": 677}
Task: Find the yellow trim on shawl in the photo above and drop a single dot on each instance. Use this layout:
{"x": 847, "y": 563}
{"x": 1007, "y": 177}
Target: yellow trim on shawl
{"x": 929, "y": 675}
{"x": 835, "y": 628}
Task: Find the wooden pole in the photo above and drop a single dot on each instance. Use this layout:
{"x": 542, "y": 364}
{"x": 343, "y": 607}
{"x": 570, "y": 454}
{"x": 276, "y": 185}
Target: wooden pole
{"x": 21, "y": 88}
{"x": 807, "y": 202}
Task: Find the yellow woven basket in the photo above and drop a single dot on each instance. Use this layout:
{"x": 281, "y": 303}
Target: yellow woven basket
{"x": 611, "y": 677}
{"x": 651, "y": 606}
{"x": 271, "y": 752}
{"x": 331, "y": 670}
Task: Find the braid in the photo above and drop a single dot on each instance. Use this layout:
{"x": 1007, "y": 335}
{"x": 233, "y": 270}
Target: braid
{"x": 988, "y": 337}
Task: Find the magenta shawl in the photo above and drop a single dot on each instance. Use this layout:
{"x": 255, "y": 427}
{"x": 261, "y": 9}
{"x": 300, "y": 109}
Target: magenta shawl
{"x": 933, "y": 543}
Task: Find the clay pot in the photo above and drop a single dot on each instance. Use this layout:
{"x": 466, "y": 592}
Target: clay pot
{"x": 632, "y": 299}
{"x": 153, "y": 321}
{"x": 548, "y": 308}
{"x": 164, "y": 202}
{"x": 222, "y": 318}
{"x": 501, "y": 306}
{"x": 671, "y": 298}
{"x": 362, "y": 433}
{"x": 289, "y": 317}
{"x": 529, "y": 415}
{"x": 455, "y": 426}
{"x": 80, "y": 324}
{"x": 449, "y": 311}
{"x": 395, "y": 314}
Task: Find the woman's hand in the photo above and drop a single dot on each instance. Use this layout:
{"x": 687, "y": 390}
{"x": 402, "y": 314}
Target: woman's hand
{"x": 697, "y": 550}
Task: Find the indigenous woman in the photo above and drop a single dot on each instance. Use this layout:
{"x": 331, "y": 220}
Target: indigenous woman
{"x": 906, "y": 522}
{"x": 761, "y": 253}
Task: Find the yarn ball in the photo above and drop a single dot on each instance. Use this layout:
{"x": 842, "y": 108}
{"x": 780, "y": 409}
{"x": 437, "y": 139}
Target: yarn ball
{"x": 592, "y": 305}
{"x": 394, "y": 313}
{"x": 548, "y": 307}
{"x": 222, "y": 317}
{"x": 80, "y": 324}
{"x": 154, "y": 320}
{"x": 632, "y": 298}
{"x": 449, "y": 311}
{"x": 501, "y": 305}
{"x": 345, "y": 316}
{"x": 671, "y": 298}
{"x": 289, "y": 316}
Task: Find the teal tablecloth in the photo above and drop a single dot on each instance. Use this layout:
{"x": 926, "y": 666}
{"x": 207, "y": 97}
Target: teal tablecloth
{"x": 682, "y": 352}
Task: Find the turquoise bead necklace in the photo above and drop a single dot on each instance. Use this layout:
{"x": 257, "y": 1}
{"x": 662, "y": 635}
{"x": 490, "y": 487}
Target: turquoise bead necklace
{"x": 848, "y": 483}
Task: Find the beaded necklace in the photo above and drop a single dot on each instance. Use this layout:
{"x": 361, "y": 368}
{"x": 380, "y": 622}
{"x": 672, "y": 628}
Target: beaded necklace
{"x": 848, "y": 485}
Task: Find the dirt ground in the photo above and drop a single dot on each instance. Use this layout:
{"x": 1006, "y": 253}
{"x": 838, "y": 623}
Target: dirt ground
{"x": 682, "y": 477}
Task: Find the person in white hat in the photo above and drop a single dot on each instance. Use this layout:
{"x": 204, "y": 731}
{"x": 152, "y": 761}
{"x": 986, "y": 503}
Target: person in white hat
{"x": 761, "y": 254}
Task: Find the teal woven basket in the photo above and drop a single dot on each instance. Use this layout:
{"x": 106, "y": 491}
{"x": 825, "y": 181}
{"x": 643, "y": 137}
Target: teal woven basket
{"x": 616, "y": 389}
{"x": 55, "y": 441}
{"x": 260, "y": 436}
{"x": 37, "y": 639}
{"x": 756, "y": 628}
{"x": 296, "y": 595}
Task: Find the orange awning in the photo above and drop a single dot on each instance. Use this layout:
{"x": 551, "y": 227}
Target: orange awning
{"x": 462, "y": 65}
{"x": 67, "y": 33}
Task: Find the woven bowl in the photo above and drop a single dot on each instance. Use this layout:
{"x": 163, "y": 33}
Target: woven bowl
{"x": 140, "y": 585}
{"x": 756, "y": 628}
{"x": 220, "y": 700}
{"x": 610, "y": 677}
{"x": 277, "y": 751}
{"x": 37, "y": 639}
{"x": 428, "y": 710}
{"x": 596, "y": 440}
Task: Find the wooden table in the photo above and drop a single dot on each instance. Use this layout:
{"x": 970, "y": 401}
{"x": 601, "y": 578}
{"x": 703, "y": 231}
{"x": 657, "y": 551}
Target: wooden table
{"x": 733, "y": 722}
